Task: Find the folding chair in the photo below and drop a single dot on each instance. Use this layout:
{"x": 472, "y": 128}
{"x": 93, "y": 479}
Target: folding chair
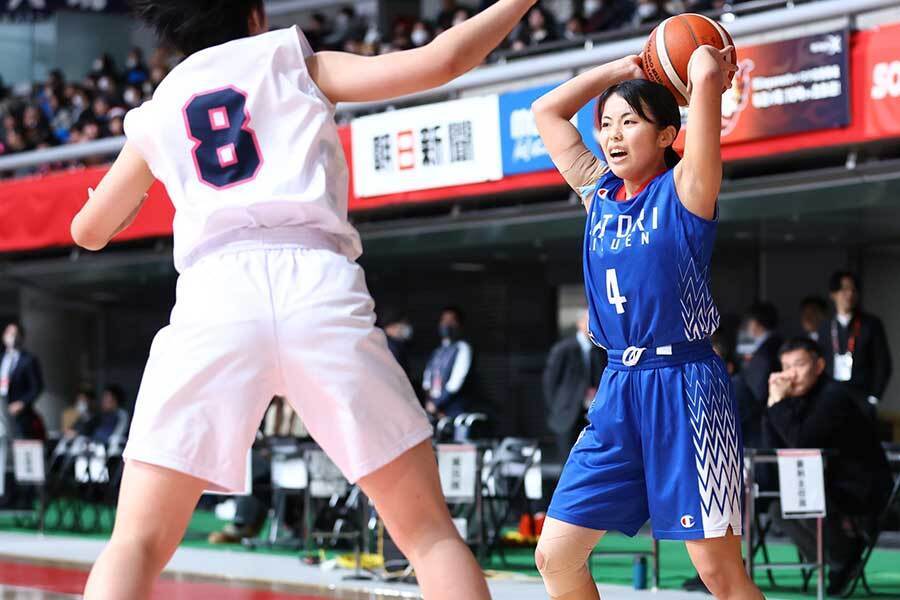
{"x": 871, "y": 537}
{"x": 506, "y": 469}
{"x": 754, "y": 534}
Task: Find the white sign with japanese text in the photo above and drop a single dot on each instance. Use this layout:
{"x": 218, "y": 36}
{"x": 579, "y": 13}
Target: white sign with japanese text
{"x": 801, "y": 482}
{"x": 424, "y": 147}
{"x": 28, "y": 461}
{"x": 458, "y": 466}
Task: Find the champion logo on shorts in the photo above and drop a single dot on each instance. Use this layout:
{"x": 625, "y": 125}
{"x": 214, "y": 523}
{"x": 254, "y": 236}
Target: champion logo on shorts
{"x": 687, "y": 521}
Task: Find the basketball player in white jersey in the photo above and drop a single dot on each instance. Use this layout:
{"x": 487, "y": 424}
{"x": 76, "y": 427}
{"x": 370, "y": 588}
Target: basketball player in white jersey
{"x": 270, "y": 300}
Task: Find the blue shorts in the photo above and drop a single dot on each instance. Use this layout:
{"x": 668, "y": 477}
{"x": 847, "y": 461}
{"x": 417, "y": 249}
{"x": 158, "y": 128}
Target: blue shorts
{"x": 663, "y": 443}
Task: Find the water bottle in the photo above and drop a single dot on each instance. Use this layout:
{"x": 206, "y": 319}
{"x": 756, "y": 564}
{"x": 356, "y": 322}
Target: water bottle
{"x": 639, "y": 573}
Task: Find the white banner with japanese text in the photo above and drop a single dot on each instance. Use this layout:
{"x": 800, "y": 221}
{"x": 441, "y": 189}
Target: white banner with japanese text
{"x": 431, "y": 146}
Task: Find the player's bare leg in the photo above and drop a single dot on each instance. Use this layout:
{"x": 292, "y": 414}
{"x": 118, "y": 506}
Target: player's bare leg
{"x": 561, "y": 557}
{"x": 155, "y": 506}
{"x": 719, "y": 563}
{"x": 407, "y": 494}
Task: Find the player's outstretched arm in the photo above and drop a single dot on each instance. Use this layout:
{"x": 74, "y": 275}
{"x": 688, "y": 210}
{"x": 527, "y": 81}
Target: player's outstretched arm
{"x": 553, "y": 114}
{"x": 115, "y": 203}
{"x": 698, "y": 177}
{"x": 347, "y": 77}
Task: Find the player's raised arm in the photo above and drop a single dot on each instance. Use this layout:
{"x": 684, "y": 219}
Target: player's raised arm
{"x": 115, "y": 203}
{"x": 698, "y": 177}
{"x": 553, "y": 114}
{"x": 347, "y": 77}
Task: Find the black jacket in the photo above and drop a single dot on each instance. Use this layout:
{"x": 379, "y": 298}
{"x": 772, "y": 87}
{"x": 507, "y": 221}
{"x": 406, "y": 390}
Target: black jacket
{"x": 751, "y": 388}
{"x": 858, "y": 478}
{"x": 566, "y": 381}
{"x": 871, "y": 357}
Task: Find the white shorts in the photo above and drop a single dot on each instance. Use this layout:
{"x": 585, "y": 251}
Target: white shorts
{"x": 252, "y": 323}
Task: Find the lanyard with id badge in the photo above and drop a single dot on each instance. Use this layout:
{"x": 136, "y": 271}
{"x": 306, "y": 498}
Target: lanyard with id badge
{"x": 843, "y": 363}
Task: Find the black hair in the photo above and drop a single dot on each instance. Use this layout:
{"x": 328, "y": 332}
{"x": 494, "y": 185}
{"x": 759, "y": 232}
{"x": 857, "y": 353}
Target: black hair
{"x": 116, "y": 392}
{"x": 815, "y": 301}
{"x": 460, "y": 317}
{"x": 193, "y": 26}
{"x": 801, "y": 343}
{"x": 837, "y": 278}
{"x": 640, "y": 95}
{"x": 765, "y": 314}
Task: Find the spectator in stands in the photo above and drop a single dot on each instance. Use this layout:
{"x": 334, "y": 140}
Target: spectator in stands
{"x": 35, "y": 127}
{"x": 136, "y": 71}
{"x": 21, "y": 383}
{"x": 399, "y": 332}
{"x": 807, "y": 409}
{"x": 541, "y": 27}
{"x": 110, "y": 427}
{"x": 103, "y": 65}
{"x": 751, "y": 386}
{"x": 574, "y": 29}
{"x": 78, "y": 417}
{"x": 607, "y": 15}
{"x": 421, "y": 33}
{"x": 570, "y": 382}
{"x": 813, "y": 312}
{"x": 347, "y": 26}
{"x": 447, "y": 371}
{"x": 854, "y": 343}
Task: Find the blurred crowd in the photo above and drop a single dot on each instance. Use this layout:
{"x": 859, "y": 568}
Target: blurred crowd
{"x": 58, "y": 111}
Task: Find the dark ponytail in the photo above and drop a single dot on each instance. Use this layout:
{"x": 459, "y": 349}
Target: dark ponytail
{"x": 672, "y": 158}
{"x": 642, "y": 95}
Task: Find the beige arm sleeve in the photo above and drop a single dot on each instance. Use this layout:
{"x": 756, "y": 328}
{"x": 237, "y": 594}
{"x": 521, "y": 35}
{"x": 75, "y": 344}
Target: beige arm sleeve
{"x": 581, "y": 169}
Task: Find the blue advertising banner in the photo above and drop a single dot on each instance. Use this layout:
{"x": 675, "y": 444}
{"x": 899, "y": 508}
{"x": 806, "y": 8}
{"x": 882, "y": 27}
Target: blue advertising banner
{"x": 523, "y": 150}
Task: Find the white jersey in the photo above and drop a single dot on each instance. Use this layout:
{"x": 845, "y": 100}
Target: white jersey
{"x": 246, "y": 145}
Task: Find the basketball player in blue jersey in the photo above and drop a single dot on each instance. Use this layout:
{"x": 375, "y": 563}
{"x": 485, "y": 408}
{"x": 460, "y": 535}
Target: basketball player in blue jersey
{"x": 663, "y": 440}
{"x": 270, "y": 300}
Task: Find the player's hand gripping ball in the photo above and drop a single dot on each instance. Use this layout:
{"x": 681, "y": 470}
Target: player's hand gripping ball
{"x": 672, "y": 43}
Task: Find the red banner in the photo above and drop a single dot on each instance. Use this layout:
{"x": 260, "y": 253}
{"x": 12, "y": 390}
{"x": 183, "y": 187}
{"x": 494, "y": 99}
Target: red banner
{"x": 788, "y": 87}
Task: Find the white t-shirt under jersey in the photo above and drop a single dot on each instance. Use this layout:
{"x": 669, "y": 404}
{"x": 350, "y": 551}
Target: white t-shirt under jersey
{"x": 245, "y": 142}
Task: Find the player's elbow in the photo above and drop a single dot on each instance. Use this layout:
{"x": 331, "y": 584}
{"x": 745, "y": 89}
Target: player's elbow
{"x": 86, "y": 237}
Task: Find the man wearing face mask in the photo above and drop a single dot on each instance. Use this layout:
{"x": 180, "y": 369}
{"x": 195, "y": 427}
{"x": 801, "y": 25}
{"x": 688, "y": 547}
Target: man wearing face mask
{"x": 447, "y": 371}
{"x": 807, "y": 409}
{"x": 20, "y": 385}
{"x": 855, "y": 345}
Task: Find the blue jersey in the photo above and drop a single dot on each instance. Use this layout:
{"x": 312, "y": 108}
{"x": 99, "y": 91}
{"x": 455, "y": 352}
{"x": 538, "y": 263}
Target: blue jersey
{"x": 646, "y": 267}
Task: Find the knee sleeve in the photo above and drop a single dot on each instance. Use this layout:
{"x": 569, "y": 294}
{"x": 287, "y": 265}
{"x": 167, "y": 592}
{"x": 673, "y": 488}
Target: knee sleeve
{"x": 562, "y": 562}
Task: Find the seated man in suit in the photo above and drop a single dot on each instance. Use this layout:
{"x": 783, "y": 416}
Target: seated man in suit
{"x": 808, "y": 409}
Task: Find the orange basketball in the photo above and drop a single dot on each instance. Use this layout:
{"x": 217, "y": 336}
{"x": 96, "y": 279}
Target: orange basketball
{"x": 670, "y": 45}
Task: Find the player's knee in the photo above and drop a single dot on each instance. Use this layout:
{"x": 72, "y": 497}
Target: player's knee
{"x": 149, "y": 546}
{"x": 721, "y": 580}
{"x": 562, "y": 565}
